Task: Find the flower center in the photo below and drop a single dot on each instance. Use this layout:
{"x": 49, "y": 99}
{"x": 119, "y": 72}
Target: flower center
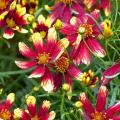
{"x": 10, "y": 22}
{"x": 85, "y": 29}
{"x": 62, "y": 64}
{"x": 3, "y": 4}
{"x": 88, "y": 77}
{"x": 35, "y": 118}
{"x": 98, "y": 116}
{"x": 5, "y": 114}
{"x": 67, "y": 1}
{"x": 43, "y": 58}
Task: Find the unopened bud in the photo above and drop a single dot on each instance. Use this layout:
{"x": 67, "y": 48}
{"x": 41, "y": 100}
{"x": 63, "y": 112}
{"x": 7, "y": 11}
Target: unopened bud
{"x": 58, "y": 24}
{"x": 78, "y": 104}
{"x": 66, "y": 87}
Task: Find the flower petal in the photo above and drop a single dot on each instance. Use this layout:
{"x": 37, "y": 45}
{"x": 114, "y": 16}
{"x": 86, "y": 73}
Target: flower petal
{"x": 25, "y": 64}
{"x": 8, "y": 33}
{"x": 47, "y": 81}
{"x": 66, "y": 14}
{"x": 113, "y": 109}
{"x": 74, "y": 72}
{"x": 87, "y": 106}
{"x": 26, "y": 51}
{"x": 38, "y": 72}
{"x": 60, "y": 47}
{"x": 96, "y": 47}
{"x": 38, "y": 42}
{"x": 101, "y": 100}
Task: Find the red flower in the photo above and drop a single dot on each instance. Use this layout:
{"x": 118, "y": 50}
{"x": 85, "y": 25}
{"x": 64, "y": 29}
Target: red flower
{"x": 5, "y": 114}
{"x": 65, "y": 70}
{"x": 14, "y": 18}
{"x": 110, "y": 73}
{"x": 99, "y": 112}
{"x": 81, "y": 33}
{"x": 31, "y": 112}
{"x": 42, "y": 56}
{"x": 63, "y": 10}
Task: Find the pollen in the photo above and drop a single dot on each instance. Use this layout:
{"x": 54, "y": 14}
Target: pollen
{"x": 87, "y": 78}
{"x": 86, "y": 29}
{"x": 10, "y": 23}
{"x": 67, "y": 1}
{"x": 62, "y": 64}
{"x": 98, "y": 116}
{"x": 5, "y": 114}
{"x": 35, "y": 118}
{"x": 43, "y": 58}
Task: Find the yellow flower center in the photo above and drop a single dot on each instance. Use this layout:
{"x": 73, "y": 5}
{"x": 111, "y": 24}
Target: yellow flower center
{"x": 43, "y": 58}
{"x": 85, "y": 29}
{"x": 62, "y": 64}
{"x": 35, "y": 118}
{"x": 88, "y": 77}
{"x": 3, "y": 4}
{"x": 5, "y": 114}
{"x": 98, "y": 116}
{"x": 10, "y": 22}
{"x": 67, "y": 1}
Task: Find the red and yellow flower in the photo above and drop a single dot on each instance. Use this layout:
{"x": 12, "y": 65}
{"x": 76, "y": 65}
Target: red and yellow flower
{"x": 82, "y": 34}
{"x": 43, "y": 56}
{"x": 14, "y": 18}
{"x": 63, "y": 10}
{"x": 32, "y": 114}
{"x": 5, "y": 114}
{"x": 99, "y": 112}
{"x": 30, "y": 5}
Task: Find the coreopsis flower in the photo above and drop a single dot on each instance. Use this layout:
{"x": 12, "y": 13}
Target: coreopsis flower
{"x": 89, "y": 79}
{"x": 32, "y": 114}
{"x": 5, "y": 113}
{"x": 63, "y": 10}
{"x": 41, "y": 25}
{"x": 30, "y": 5}
{"x": 15, "y": 18}
{"x": 43, "y": 56}
{"x": 110, "y": 73}
{"x": 106, "y": 6}
{"x": 82, "y": 34}
{"x": 99, "y": 112}
{"x": 65, "y": 70}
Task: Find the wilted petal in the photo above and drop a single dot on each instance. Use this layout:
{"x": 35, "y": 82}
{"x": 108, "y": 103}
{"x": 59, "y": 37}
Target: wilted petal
{"x": 47, "y": 81}
{"x": 113, "y": 109}
{"x": 8, "y": 33}
{"x": 26, "y": 51}
{"x": 101, "y": 100}
{"x": 38, "y": 72}
{"x": 37, "y": 41}
{"x": 25, "y": 64}
{"x": 75, "y": 72}
{"x": 96, "y": 47}
{"x": 87, "y": 106}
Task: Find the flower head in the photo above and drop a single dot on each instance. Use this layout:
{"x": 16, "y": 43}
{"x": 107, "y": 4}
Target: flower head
{"x": 14, "y": 18}
{"x": 32, "y": 113}
{"x": 99, "y": 112}
{"x": 5, "y": 114}
{"x": 82, "y": 35}
{"x": 63, "y": 10}
{"x": 30, "y": 5}
{"x": 43, "y": 56}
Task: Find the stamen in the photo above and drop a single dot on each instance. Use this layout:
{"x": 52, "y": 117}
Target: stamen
{"x": 67, "y": 1}
{"x": 5, "y": 114}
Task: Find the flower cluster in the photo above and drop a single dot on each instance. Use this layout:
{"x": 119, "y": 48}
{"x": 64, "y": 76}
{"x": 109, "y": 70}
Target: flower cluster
{"x": 59, "y": 45}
